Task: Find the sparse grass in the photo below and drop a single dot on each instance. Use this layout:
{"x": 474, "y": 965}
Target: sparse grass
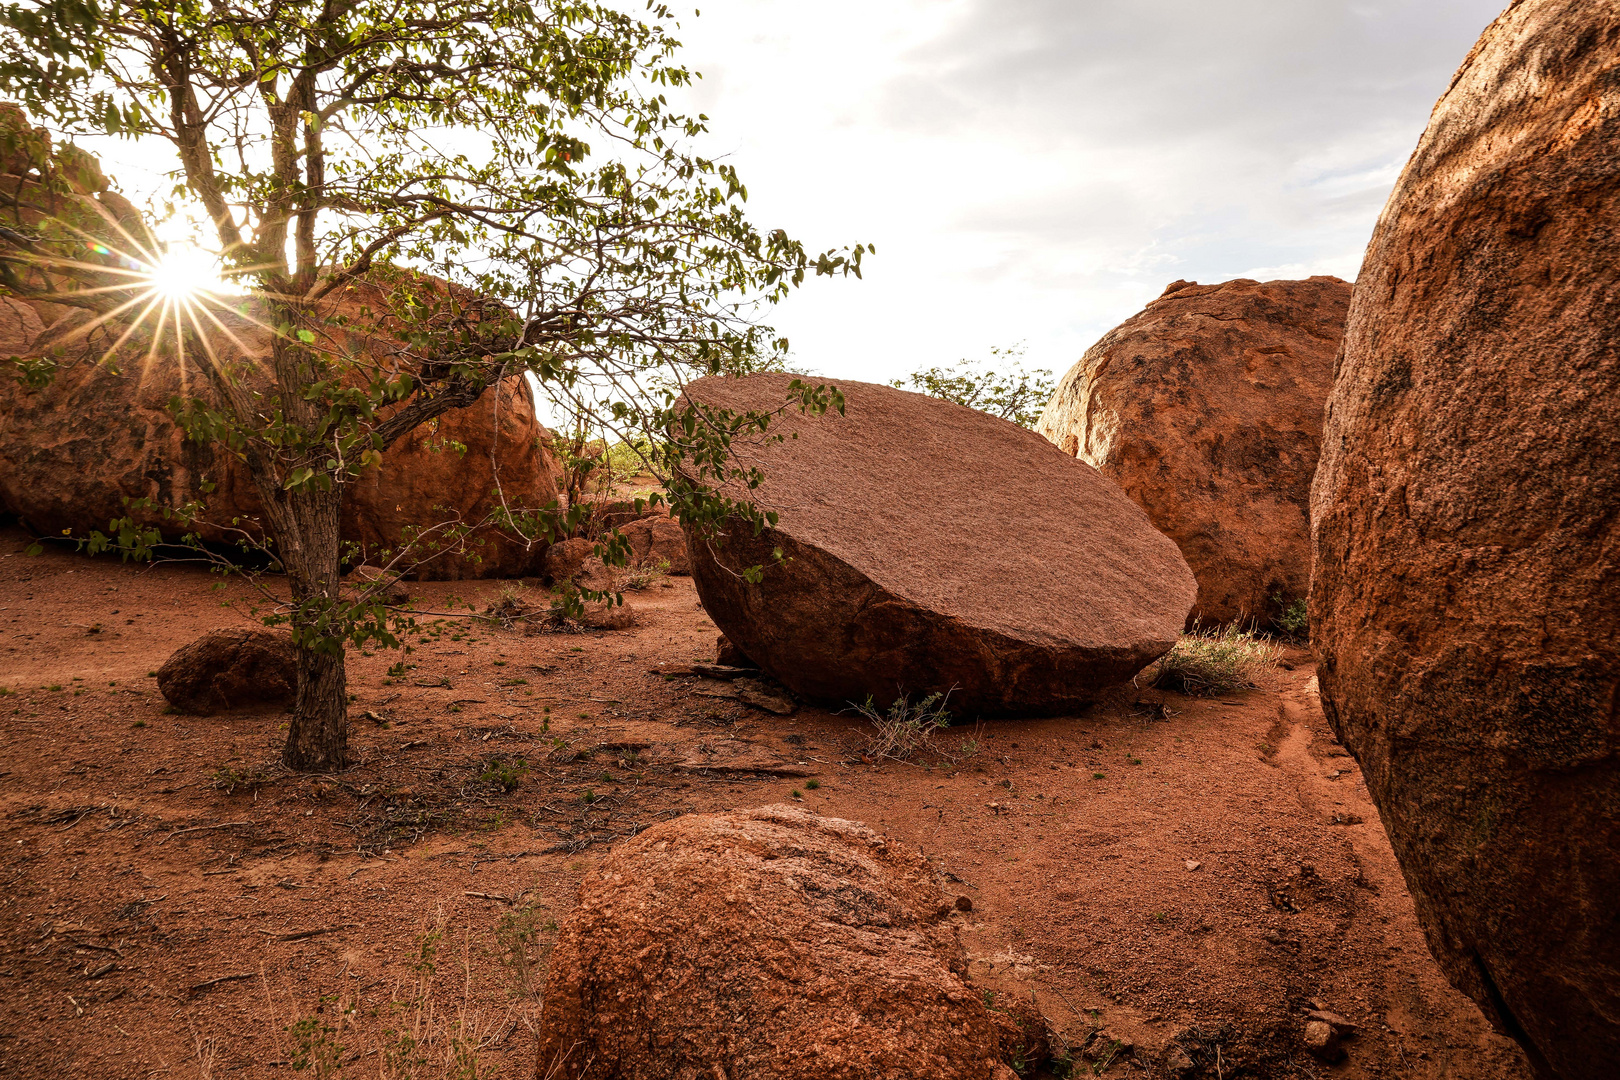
{"x": 906, "y": 729}
{"x": 1208, "y": 663}
{"x": 230, "y": 780}
{"x": 645, "y": 577}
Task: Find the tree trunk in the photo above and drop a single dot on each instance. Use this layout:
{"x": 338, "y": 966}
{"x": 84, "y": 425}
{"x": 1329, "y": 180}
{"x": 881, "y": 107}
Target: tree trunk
{"x": 318, "y": 737}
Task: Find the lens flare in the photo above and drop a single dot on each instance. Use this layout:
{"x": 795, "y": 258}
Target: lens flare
{"x": 184, "y": 272}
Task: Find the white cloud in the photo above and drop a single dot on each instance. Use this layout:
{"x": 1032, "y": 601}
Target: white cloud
{"x": 1036, "y": 170}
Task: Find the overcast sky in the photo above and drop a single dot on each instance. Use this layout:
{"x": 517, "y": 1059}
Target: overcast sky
{"x": 1037, "y": 170}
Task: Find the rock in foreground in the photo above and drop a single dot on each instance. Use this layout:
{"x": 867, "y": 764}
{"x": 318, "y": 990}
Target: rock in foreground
{"x": 931, "y": 547}
{"x": 1206, "y": 407}
{"x": 230, "y": 668}
{"x": 1466, "y": 604}
{"x": 769, "y": 944}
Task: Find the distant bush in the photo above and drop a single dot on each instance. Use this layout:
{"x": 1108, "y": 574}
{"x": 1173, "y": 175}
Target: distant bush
{"x": 1207, "y": 663}
{"x": 1000, "y": 386}
{"x": 1295, "y": 620}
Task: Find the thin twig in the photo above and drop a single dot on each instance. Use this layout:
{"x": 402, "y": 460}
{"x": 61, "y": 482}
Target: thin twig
{"x": 201, "y": 828}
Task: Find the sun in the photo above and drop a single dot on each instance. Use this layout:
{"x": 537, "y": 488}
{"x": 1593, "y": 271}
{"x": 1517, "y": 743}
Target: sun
{"x": 185, "y": 271}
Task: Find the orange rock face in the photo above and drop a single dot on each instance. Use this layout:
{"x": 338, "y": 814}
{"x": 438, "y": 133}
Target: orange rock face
{"x": 1466, "y": 603}
{"x": 1207, "y": 409}
{"x": 71, "y": 453}
{"x": 930, "y": 547}
{"x": 774, "y": 944}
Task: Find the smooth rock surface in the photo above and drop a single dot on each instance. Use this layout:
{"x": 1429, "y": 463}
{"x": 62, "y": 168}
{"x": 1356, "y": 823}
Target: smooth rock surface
{"x": 930, "y": 547}
{"x": 769, "y": 944}
{"x": 230, "y": 668}
{"x": 1466, "y": 604}
{"x": 1206, "y": 407}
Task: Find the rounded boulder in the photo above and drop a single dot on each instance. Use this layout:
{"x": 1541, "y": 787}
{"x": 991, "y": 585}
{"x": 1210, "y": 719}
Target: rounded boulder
{"x": 1206, "y": 407}
{"x": 230, "y": 668}
{"x": 772, "y": 944}
{"x": 1466, "y": 602}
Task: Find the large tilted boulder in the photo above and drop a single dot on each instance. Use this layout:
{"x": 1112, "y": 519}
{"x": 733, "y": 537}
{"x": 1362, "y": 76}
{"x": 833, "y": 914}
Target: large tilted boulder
{"x": 1206, "y": 407}
{"x": 230, "y": 668}
{"x": 1466, "y": 604}
{"x": 930, "y": 547}
{"x": 769, "y": 944}
{"x": 71, "y": 453}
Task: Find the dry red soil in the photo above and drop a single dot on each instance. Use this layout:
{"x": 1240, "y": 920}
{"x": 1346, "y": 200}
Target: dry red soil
{"x": 1158, "y": 867}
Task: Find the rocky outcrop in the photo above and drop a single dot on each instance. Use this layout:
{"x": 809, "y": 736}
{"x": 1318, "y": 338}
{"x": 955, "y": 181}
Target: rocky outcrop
{"x": 72, "y": 452}
{"x": 1466, "y": 602}
{"x": 769, "y": 944}
{"x": 230, "y": 668}
{"x": 656, "y": 540}
{"x": 1206, "y": 407}
{"x": 100, "y": 433}
{"x": 930, "y": 547}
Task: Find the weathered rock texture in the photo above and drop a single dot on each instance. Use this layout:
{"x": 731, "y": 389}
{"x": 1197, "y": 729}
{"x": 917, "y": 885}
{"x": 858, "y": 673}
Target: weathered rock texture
{"x": 1206, "y": 407}
{"x": 657, "y": 540}
{"x": 1466, "y": 518}
{"x": 228, "y": 669}
{"x": 769, "y": 944}
{"x": 928, "y": 547}
{"x": 72, "y": 452}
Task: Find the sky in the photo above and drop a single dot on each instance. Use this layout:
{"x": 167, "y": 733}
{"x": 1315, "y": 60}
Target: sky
{"x": 1033, "y": 172}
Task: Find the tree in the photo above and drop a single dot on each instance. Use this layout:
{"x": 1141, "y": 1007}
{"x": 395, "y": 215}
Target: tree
{"x": 999, "y": 386}
{"x": 440, "y": 147}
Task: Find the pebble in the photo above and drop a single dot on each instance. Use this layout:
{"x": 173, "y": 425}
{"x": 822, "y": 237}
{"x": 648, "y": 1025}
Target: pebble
{"x": 1193, "y": 864}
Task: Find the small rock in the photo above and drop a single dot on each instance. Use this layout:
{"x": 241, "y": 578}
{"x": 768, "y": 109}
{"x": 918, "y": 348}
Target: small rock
{"x": 1339, "y": 1024}
{"x": 1193, "y": 864}
{"x": 1178, "y": 1063}
{"x": 574, "y": 562}
{"x": 1322, "y": 1041}
{"x": 606, "y": 615}
{"x": 764, "y": 696}
{"x": 728, "y": 655}
{"x": 1107, "y": 1046}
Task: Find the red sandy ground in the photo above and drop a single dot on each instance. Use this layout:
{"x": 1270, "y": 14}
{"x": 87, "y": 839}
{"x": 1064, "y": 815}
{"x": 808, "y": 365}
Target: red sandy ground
{"x": 129, "y": 881}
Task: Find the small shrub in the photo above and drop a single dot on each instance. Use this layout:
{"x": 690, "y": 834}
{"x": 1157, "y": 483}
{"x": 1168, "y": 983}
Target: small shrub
{"x": 506, "y": 775}
{"x": 1207, "y": 663}
{"x": 1295, "y": 619}
{"x": 905, "y": 729}
{"x": 812, "y": 784}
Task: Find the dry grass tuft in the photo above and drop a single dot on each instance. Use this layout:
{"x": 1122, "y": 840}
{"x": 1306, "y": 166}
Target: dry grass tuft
{"x": 906, "y": 729}
{"x": 1208, "y": 663}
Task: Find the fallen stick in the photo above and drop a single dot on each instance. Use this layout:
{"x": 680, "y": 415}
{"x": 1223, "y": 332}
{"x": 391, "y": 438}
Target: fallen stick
{"x": 201, "y": 828}
{"x": 302, "y": 934}
{"x": 222, "y": 979}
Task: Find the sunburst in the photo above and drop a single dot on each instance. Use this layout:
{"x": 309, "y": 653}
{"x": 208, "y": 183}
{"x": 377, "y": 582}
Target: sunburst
{"x": 171, "y": 290}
